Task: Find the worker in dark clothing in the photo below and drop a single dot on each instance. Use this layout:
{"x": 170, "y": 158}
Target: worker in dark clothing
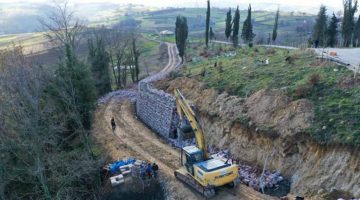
{"x": 155, "y": 168}
{"x": 113, "y": 125}
{"x": 317, "y": 43}
{"x": 148, "y": 170}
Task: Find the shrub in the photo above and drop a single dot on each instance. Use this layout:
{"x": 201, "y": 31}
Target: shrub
{"x": 175, "y": 74}
{"x": 301, "y": 91}
{"x": 290, "y": 60}
{"x": 270, "y": 51}
{"x": 314, "y": 80}
{"x": 203, "y": 72}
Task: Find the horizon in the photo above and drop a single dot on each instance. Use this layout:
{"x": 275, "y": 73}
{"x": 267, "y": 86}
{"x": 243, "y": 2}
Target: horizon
{"x": 308, "y": 6}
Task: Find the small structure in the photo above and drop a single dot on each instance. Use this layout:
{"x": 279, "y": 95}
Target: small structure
{"x": 117, "y": 180}
{"x": 166, "y": 33}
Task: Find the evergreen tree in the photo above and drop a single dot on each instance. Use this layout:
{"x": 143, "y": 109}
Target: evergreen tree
{"x": 207, "y": 27}
{"x": 332, "y": 32}
{"x": 247, "y": 31}
{"x": 99, "y": 61}
{"x": 320, "y": 26}
{"x": 236, "y": 26}
{"x": 357, "y": 33}
{"x": 274, "y": 34}
{"x": 75, "y": 81}
{"x": 212, "y": 34}
{"x": 228, "y": 24}
{"x": 348, "y": 21}
{"x": 181, "y": 34}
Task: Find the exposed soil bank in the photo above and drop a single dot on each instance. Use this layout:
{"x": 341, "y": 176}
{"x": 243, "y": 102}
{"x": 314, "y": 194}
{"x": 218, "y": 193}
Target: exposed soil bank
{"x": 269, "y": 125}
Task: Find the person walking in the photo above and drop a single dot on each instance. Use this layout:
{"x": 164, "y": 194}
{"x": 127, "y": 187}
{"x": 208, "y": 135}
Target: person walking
{"x": 148, "y": 170}
{"x": 155, "y": 168}
{"x": 113, "y": 125}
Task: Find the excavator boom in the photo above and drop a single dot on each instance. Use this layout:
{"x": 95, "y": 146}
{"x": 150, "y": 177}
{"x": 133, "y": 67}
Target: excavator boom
{"x": 183, "y": 108}
{"x": 199, "y": 171}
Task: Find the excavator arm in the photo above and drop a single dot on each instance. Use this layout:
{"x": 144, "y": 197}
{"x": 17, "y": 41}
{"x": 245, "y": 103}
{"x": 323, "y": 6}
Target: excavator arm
{"x": 184, "y": 110}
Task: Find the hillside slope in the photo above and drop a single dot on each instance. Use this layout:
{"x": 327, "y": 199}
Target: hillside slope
{"x": 274, "y": 131}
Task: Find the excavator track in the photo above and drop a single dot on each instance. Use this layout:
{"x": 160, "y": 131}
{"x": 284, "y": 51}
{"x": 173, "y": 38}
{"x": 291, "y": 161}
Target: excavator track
{"x": 207, "y": 192}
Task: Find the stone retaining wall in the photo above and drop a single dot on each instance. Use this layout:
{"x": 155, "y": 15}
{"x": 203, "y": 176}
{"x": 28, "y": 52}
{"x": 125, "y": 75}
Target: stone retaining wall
{"x": 155, "y": 108}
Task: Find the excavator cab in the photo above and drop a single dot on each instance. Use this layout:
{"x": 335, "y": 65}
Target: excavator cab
{"x": 193, "y": 155}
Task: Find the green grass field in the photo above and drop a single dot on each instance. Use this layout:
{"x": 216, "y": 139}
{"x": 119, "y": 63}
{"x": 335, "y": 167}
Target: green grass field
{"x": 337, "y": 108}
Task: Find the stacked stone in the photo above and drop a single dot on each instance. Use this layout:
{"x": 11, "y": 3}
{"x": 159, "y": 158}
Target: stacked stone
{"x": 155, "y": 107}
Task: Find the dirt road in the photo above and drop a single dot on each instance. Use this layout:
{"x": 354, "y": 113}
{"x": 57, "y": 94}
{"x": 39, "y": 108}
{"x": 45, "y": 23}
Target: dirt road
{"x": 133, "y": 138}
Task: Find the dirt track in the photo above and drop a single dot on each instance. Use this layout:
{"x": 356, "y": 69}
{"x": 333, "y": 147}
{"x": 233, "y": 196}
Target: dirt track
{"x": 133, "y": 138}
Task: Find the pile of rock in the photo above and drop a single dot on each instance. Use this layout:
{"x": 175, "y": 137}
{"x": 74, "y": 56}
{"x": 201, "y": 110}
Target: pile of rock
{"x": 119, "y": 95}
{"x": 252, "y": 176}
{"x": 180, "y": 144}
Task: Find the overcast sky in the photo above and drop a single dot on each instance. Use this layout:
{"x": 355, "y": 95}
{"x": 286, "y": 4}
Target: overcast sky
{"x": 296, "y": 4}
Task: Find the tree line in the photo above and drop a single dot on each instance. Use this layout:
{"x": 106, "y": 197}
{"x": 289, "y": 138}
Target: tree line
{"x": 232, "y": 29}
{"x": 326, "y": 31}
{"x": 46, "y": 111}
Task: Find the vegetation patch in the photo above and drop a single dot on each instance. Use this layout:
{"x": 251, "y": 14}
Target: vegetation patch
{"x": 299, "y": 74}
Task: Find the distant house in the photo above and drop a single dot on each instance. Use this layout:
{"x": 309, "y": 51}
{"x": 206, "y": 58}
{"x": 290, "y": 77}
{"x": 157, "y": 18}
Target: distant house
{"x": 166, "y": 33}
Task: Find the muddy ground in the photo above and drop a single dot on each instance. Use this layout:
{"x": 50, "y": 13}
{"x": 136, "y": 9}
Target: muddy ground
{"x": 133, "y": 138}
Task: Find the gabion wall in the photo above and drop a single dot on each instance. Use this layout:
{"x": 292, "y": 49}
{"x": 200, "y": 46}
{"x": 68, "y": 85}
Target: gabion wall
{"x": 156, "y": 108}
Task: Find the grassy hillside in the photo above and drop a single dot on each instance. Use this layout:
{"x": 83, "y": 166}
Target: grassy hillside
{"x": 330, "y": 87}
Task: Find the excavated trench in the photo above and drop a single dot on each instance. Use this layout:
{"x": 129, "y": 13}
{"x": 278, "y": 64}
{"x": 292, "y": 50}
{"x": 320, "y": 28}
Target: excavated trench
{"x": 270, "y": 128}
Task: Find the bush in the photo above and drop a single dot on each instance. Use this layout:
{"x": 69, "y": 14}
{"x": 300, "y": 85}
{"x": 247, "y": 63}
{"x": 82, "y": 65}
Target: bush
{"x": 301, "y": 91}
{"x": 203, "y": 72}
{"x": 270, "y": 51}
{"x": 175, "y": 74}
{"x": 314, "y": 80}
{"x": 290, "y": 60}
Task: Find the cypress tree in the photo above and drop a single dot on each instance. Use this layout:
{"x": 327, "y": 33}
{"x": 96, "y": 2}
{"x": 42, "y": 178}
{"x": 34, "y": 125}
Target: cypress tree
{"x": 228, "y": 24}
{"x": 247, "y": 31}
{"x": 181, "y": 34}
{"x": 320, "y": 26}
{"x": 236, "y": 26}
{"x": 332, "y": 32}
{"x": 348, "y": 21}
{"x": 207, "y": 27}
{"x": 274, "y": 34}
{"x": 357, "y": 33}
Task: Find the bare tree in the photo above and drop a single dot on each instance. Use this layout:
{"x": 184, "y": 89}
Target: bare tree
{"x": 118, "y": 44}
{"x": 61, "y": 25}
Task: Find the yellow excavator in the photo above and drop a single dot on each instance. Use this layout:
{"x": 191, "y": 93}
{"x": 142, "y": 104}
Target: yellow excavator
{"x": 199, "y": 171}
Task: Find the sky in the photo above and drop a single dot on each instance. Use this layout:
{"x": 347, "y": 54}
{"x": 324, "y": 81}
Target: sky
{"x": 297, "y": 5}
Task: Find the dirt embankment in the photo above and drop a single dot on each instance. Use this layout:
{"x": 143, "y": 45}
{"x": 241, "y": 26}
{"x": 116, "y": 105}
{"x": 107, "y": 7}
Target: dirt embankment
{"x": 268, "y": 125}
